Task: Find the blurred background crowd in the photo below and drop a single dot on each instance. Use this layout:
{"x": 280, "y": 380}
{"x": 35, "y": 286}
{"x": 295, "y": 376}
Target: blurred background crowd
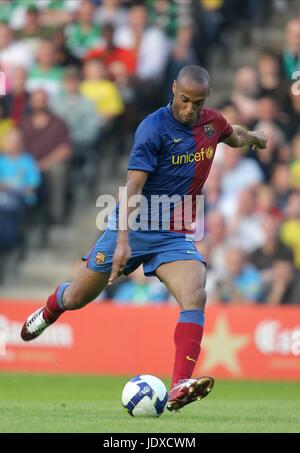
{"x": 79, "y": 77}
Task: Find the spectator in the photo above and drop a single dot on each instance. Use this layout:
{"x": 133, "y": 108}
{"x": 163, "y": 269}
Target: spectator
{"x": 290, "y": 228}
{"x": 46, "y": 138}
{"x": 268, "y": 110}
{"x": 276, "y": 150}
{"x": 6, "y": 11}
{"x": 143, "y": 39}
{"x": 45, "y": 74}
{"x": 5, "y": 125}
{"x": 238, "y": 173}
{"x": 111, "y": 11}
{"x": 274, "y": 260}
{"x": 19, "y": 172}
{"x": 13, "y": 53}
{"x": 57, "y": 13}
{"x": 266, "y": 202}
{"x": 281, "y": 182}
{"x": 241, "y": 283}
{"x": 212, "y": 189}
{"x": 272, "y": 250}
{"x": 164, "y": 15}
{"x": 181, "y": 54}
{"x": 120, "y": 63}
{"x": 16, "y": 102}
{"x": 78, "y": 111}
{"x": 84, "y": 124}
{"x": 19, "y": 179}
{"x": 141, "y": 290}
{"x": 63, "y": 56}
{"x": 113, "y": 55}
{"x": 103, "y": 92}
{"x": 244, "y": 93}
{"x": 270, "y": 82}
{"x": 208, "y": 21}
{"x": 245, "y": 226}
{"x": 284, "y": 288}
{"x": 232, "y": 115}
{"x": 82, "y": 34}
{"x": 269, "y": 117}
{"x": 32, "y": 32}
{"x": 295, "y": 163}
{"x": 290, "y": 57}
{"x": 230, "y": 111}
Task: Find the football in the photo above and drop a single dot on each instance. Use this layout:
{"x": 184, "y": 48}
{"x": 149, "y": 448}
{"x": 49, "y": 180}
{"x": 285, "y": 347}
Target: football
{"x": 145, "y": 396}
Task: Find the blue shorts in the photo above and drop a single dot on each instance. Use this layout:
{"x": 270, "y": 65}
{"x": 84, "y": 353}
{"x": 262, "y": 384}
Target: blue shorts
{"x": 152, "y": 248}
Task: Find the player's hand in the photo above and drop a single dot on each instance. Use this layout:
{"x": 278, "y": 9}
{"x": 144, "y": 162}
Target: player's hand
{"x": 260, "y": 139}
{"x": 120, "y": 258}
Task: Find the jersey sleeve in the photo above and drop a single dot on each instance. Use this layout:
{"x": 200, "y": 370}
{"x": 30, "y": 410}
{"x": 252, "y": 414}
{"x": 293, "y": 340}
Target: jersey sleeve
{"x": 224, "y": 127}
{"x": 144, "y": 153}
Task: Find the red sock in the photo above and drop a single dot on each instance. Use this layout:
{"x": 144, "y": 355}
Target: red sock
{"x": 52, "y": 309}
{"x": 187, "y": 339}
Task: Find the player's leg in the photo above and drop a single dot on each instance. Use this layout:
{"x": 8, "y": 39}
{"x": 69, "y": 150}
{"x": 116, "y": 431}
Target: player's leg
{"x": 85, "y": 287}
{"x": 89, "y": 282}
{"x": 186, "y": 282}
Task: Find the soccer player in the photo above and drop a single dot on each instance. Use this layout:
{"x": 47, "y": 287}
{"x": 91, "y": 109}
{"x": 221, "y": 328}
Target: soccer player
{"x": 172, "y": 155}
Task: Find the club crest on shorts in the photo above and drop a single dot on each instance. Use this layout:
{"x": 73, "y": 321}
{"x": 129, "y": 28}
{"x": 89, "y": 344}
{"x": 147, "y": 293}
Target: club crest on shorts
{"x": 209, "y": 129}
{"x": 100, "y": 258}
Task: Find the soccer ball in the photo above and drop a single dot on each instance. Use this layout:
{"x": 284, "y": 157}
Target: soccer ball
{"x": 145, "y": 396}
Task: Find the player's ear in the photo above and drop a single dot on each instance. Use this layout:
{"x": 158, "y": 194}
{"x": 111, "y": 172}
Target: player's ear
{"x": 174, "y": 87}
{"x": 209, "y": 92}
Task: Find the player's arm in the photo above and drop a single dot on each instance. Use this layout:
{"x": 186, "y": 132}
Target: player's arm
{"x": 241, "y": 137}
{"x": 135, "y": 182}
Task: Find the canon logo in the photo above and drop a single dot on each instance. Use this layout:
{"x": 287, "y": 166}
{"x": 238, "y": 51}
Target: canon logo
{"x": 58, "y": 336}
{"x": 271, "y": 338}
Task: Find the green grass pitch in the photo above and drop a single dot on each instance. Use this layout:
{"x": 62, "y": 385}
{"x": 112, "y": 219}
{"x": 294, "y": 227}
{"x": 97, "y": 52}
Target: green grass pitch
{"x": 51, "y": 403}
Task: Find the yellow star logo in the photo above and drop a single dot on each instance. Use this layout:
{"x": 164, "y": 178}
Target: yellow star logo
{"x": 221, "y": 347}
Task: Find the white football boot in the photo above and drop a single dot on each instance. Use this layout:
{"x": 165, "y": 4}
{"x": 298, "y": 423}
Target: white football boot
{"x": 34, "y": 325}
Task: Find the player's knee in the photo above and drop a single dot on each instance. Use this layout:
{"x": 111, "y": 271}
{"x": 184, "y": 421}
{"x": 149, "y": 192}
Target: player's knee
{"x": 73, "y": 300}
{"x": 195, "y": 300}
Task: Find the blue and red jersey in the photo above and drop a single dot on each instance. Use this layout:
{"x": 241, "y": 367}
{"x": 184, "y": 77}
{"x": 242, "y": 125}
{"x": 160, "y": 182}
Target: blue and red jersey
{"x": 177, "y": 157}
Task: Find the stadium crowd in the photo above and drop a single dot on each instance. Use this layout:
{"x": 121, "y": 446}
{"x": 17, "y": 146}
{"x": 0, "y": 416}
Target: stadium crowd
{"x": 81, "y": 74}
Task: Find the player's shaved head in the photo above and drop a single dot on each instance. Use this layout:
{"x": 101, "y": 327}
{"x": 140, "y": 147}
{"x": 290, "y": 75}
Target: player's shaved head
{"x": 190, "y": 90}
{"x": 195, "y": 74}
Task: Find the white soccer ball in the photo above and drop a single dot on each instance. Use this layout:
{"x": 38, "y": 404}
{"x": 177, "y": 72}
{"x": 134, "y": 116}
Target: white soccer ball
{"x": 145, "y": 396}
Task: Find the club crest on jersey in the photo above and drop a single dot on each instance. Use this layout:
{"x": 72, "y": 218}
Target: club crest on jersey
{"x": 209, "y": 129}
{"x": 100, "y": 258}
{"x": 209, "y": 152}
